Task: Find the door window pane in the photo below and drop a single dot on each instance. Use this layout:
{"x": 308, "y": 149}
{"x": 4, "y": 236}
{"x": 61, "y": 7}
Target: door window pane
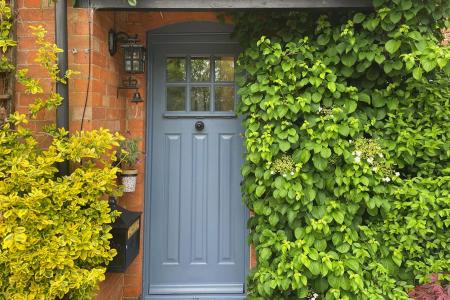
{"x": 224, "y": 68}
{"x": 200, "y": 98}
{"x": 176, "y": 69}
{"x": 176, "y": 97}
{"x": 200, "y": 69}
{"x": 224, "y": 98}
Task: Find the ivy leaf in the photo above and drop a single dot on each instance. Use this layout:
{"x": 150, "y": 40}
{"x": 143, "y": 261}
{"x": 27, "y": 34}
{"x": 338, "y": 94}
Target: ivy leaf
{"x": 344, "y": 130}
{"x": 291, "y": 215}
{"x": 260, "y": 190}
{"x": 264, "y": 254}
{"x": 359, "y": 18}
{"x": 273, "y": 219}
{"x": 348, "y": 59}
{"x": 338, "y": 216}
{"x": 314, "y": 268}
{"x": 363, "y": 97}
{"x": 392, "y": 46}
{"x": 284, "y": 146}
{"x": 406, "y": 4}
{"x": 301, "y": 156}
{"x": 428, "y": 65}
{"x": 310, "y": 194}
{"x": 397, "y": 257}
{"x": 417, "y": 73}
{"x": 320, "y": 245}
{"x": 380, "y": 58}
{"x": 325, "y": 152}
{"x": 350, "y": 106}
{"x": 372, "y": 24}
{"x": 378, "y": 100}
{"x": 298, "y": 233}
{"x": 395, "y": 17}
{"x": 323, "y": 39}
{"x": 331, "y": 86}
{"x": 343, "y": 248}
{"x": 334, "y": 281}
{"x": 319, "y": 163}
{"x": 352, "y": 264}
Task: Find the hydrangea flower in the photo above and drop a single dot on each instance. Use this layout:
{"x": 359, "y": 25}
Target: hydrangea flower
{"x": 386, "y": 179}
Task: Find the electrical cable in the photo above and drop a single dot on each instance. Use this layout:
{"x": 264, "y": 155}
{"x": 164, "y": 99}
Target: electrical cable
{"x": 89, "y": 63}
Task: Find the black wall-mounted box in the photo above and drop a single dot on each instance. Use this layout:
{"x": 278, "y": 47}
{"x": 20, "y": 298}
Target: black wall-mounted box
{"x": 126, "y": 238}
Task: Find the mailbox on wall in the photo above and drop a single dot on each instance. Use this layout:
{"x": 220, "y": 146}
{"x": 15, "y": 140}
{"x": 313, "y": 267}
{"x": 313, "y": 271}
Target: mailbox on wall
{"x": 126, "y": 237}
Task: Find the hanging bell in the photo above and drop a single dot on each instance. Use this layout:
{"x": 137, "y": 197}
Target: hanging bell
{"x": 137, "y": 97}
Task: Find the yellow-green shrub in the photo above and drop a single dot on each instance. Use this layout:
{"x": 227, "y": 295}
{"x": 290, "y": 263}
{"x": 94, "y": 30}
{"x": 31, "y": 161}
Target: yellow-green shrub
{"x": 54, "y": 230}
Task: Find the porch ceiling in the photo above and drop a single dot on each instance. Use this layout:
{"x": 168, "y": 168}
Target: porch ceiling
{"x": 220, "y": 4}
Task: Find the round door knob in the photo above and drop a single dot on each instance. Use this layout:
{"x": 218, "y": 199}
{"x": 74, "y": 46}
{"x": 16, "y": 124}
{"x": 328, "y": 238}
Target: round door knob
{"x": 199, "y": 125}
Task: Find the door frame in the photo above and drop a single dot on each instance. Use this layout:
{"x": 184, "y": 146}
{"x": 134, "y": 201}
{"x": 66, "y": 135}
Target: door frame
{"x": 178, "y": 33}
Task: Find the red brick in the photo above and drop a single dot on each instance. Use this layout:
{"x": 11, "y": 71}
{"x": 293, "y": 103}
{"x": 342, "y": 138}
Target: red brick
{"x": 98, "y": 113}
{"x": 111, "y": 288}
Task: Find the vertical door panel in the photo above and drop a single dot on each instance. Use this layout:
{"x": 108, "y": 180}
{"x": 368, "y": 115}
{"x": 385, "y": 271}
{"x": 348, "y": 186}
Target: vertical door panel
{"x": 199, "y": 198}
{"x": 172, "y": 197}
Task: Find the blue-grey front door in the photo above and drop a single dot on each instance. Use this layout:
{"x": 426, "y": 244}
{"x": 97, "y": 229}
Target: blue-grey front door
{"x": 197, "y": 235}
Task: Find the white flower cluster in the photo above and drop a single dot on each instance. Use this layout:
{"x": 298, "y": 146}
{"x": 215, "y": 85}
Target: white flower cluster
{"x": 313, "y": 296}
{"x": 386, "y": 179}
{"x": 357, "y": 155}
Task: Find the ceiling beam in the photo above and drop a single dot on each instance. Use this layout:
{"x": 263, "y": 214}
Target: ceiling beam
{"x": 221, "y": 4}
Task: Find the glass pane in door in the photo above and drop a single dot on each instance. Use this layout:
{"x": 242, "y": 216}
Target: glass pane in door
{"x": 200, "y": 98}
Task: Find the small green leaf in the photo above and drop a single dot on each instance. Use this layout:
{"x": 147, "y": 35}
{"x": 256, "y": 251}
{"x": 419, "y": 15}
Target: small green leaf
{"x": 350, "y": 106}
{"x": 395, "y": 17}
{"x": 320, "y": 163}
{"x": 392, "y": 46}
{"x": 265, "y": 253}
{"x": 331, "y": 86}
{"x": 260, "y": 190}
{"x": 325, "y": 152}
{"x": 343, "y": 248}
{"x": 358, "y": 18}
{"x": 314, "y": 268}
{"x": 338, "y": 216}
{"x": 348, "y": 59}
{"x": 353, "y": 264}
{"x": 284, "y": 146}
{"x": 417, "y": 73}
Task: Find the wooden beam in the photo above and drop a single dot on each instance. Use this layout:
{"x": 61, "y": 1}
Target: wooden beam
{"x": 221, "y": 4}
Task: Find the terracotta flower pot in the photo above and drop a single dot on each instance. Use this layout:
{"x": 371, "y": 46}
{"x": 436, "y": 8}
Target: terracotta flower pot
{"x": 129, "y": 180}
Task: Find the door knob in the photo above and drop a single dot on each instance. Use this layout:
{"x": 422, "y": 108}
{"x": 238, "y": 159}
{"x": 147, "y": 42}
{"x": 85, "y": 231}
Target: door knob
{"x": 199, "y": 125}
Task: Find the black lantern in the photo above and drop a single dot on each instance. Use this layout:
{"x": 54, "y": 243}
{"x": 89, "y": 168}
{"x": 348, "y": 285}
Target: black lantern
{"x": 134, "y": 54}
{"x": 133, "y": 57}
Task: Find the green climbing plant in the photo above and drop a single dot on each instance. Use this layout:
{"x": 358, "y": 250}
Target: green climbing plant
{"x": 346, "y": 117}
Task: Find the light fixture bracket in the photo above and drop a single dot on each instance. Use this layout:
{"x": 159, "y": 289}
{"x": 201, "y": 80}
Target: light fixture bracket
{"x": 115, "y": 38}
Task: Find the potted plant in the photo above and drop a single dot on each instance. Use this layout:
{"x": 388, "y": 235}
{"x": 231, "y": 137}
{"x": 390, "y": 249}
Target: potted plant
{"x": 128, "y": 158}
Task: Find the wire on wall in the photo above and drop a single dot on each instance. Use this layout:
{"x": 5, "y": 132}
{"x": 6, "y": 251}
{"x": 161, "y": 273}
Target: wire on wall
{"x": 88, "y": 86}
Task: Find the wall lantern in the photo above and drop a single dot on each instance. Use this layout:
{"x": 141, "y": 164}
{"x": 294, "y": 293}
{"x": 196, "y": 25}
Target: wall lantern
{"x": 133, "y": 53}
